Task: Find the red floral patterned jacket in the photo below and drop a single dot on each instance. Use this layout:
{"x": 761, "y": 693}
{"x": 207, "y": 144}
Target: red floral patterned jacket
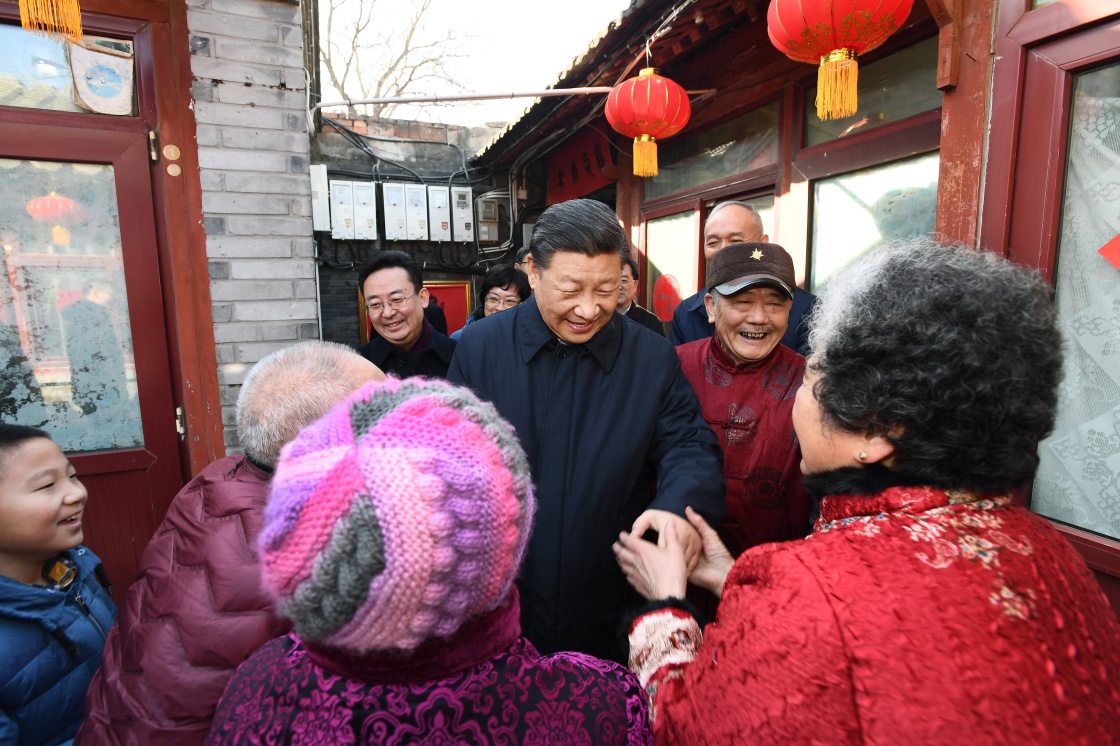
{"x": 912, "y": 616}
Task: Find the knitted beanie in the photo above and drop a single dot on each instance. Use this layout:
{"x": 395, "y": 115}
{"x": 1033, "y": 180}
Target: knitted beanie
{"x": 396, "y": 517}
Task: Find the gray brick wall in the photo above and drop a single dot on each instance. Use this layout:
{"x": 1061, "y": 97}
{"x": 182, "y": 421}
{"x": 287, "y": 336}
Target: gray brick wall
{"x": 247, "y": 63}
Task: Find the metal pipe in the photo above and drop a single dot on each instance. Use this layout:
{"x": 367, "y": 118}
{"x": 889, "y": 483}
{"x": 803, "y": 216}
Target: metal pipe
{"x": 435, "y": 98}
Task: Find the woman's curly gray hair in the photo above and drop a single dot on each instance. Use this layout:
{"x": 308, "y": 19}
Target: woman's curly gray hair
{"x": 952, "y": 354}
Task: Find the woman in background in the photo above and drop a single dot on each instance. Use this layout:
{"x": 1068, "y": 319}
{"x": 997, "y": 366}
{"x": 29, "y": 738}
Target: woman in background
{"x": 925, "y": 608}
{"x": 504, "y": 287}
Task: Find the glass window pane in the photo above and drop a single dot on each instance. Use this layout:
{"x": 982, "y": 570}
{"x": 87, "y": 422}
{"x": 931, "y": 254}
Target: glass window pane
{"x": 743, "y": 144}
{"x": 35, "y": 73}
{"x": 672, "y": 249}
{"x": 65, "y": 342}
{"x": 895, "y": 87}
{"x": 855, "y": 212}
{"x": 1078, "y": 480}
{"x": 1040, "y": 3}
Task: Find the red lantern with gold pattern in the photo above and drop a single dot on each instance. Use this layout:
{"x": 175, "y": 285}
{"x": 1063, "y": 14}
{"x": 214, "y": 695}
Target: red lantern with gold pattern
{"x": 647, "y": 108}
{"x": 834, "y": 33}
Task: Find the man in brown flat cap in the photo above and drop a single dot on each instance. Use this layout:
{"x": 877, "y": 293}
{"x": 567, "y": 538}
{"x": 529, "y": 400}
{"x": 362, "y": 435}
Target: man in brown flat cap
{"x": 746, "y": 381}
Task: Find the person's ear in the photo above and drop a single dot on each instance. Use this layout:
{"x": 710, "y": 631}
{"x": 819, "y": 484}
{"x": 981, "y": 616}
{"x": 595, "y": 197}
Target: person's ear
{"x": 764, "y": 238}
{"x": 876, "y": 449}
{"x": 710, "y": 306}
{"x": 532, "y": 272}
{"x": 424, "y": 297}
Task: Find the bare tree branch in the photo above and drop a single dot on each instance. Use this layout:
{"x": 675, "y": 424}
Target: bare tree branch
{"x": 364, "y": 58}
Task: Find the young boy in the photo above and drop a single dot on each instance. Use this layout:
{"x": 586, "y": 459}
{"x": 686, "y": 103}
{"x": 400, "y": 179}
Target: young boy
{"x": 54, "y": 612}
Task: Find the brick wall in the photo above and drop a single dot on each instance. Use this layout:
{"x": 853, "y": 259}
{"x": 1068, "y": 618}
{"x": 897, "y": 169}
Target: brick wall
{"x": 247, "y": 64}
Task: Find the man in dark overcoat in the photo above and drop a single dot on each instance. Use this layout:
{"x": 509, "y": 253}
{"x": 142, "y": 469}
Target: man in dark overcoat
{"x": 611, "y": 426}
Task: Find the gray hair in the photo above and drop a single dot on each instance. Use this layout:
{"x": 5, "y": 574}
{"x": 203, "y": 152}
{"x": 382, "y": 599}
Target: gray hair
{"x": 952, "y": 354}
{"x": 291, "y": 388}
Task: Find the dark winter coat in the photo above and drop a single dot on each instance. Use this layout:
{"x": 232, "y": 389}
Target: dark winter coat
{"x": 690, "y": 321}
{"x": 432, "y": 360}
{"x": 602, "y": 423}
{"x": 645, "y": 318}
{"x": 50, "y": 647}
{"x": 195, "y": 612}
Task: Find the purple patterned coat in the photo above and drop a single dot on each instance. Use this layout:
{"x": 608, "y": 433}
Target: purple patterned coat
{"x": 484, "y": 685}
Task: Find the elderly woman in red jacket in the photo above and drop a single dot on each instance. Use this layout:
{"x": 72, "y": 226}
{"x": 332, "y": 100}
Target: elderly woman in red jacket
{"x": 925, "y": 607}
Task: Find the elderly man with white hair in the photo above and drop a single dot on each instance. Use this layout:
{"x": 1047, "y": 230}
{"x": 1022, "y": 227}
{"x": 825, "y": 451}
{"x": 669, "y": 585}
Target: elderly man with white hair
{"x": 197, "y": 610}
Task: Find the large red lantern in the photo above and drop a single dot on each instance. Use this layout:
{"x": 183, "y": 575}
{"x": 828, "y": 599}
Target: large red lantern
{"x": 834, "y": 33}
{"x": 647, "y": 108}
{"x": 51, "y": 207}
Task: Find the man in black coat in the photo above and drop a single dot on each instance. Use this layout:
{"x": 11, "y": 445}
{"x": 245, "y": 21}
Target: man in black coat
{"x": 611, "y": 426}
{"x": 407, "y": 344}
{"x": 627, "y": 303}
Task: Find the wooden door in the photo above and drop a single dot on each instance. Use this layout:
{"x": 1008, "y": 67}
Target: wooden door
{"x": 83, "y": 335}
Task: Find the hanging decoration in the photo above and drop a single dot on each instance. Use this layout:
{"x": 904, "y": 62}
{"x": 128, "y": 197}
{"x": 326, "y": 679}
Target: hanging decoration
{"x": 55, "y": 19}
{"x": 647, "y": 108}
{"x": 833, "y": 33}
{"x": 51, "y": 207}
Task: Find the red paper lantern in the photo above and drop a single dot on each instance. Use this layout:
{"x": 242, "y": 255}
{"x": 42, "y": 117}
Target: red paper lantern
{"x": 646, "y": 108}
{"x": 833, "y": 33}
{"x": 51, "y": 207}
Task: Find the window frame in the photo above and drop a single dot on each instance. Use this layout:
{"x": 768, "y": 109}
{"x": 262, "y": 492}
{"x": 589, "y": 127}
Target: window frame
{"x": 1038, "y": 52}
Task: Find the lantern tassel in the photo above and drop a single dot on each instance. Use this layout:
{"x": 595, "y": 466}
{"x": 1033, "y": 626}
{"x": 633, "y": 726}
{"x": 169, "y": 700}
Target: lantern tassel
{"x": 59, "y": 19}
{"x": 836, "y": 85}
{"x": 645, "y": 156}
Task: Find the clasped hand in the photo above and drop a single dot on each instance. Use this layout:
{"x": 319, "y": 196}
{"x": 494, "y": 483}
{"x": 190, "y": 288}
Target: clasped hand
{"x": 685, "y": 552}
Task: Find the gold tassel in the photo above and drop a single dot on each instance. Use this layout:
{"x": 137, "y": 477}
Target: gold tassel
{"x": 645, "y": 156}
{"x": 60, "y": 235}
{"x": 836, "y": 85}
{"x": 56, "y": 19}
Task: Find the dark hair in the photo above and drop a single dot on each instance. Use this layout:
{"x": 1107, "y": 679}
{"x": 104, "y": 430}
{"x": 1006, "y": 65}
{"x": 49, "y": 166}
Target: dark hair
{"x": 13, "y": 436}
{"x": 952, "y": 354}
{"x": 583, "y": 226}
{"x": 388, "y": 260}
{"x": 632, "y": 263}
{"x": 521, "y": 254}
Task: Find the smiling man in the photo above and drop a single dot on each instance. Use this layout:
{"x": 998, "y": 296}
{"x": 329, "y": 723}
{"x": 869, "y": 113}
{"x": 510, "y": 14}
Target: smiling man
{"x": 746, "y": 381}
{"x": 564, "y": 369}
{"x": 407, "y": 344}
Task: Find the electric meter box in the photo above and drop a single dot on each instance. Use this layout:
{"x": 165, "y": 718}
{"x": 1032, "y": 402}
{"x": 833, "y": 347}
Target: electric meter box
{"x": 342, "y": 210}
{"x": 462, "y": 213}
{"x": 320, "y": 205}
{"x": 365, "y": 211}
{"x": 392, "y": 199}
{"x": 416, "y": 211}
{"x": 488, "y": 220}
{"x": 439, "y": 213}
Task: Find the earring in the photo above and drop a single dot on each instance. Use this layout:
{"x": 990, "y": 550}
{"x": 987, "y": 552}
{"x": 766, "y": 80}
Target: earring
{"x": 862, "y": 456}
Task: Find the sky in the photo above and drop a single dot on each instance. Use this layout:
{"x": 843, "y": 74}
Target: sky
{"x": 509, "y": 45}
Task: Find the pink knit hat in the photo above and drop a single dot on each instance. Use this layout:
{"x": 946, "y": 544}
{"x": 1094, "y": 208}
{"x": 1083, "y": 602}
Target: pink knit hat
{"x": 397, "y": 516}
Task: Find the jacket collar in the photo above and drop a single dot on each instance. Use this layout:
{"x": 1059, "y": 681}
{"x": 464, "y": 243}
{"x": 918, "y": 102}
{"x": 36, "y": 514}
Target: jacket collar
{"x": 854, "y": 492}
{"x": 479, "y": 640}
{"x": 534, "y": 335}
{"x": 440, "y": 344}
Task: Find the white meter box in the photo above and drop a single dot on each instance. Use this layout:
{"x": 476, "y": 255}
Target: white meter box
{"x": 462, "y": 213}
{"x": 365, "y": 211}
{"x": 439, "y": 213}
{"x": 416, "y": 211}
{"x": 342, "y": 210}
{"x": 320, "y": 204}
{"x": 393, "y": 201}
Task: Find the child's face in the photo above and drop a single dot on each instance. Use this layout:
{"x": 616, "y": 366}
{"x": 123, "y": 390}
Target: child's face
{"x": 41, "y": 501}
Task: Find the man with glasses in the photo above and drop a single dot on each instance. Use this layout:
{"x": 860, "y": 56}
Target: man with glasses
{"x": 395, "y": 297}
{"x": 628, "y": 307}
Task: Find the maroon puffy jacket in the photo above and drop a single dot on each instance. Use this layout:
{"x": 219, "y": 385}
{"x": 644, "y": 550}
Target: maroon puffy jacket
{"x": 195, "y": 612}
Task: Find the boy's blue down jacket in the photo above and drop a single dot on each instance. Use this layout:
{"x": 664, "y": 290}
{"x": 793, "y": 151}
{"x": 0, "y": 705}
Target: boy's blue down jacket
{"x": 50, "y": 647}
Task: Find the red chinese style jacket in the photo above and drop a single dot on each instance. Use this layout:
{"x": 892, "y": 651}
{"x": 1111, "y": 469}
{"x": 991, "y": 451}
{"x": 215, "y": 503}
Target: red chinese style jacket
{"x": 912, "y": 616}
{"x": 751, "y": 411}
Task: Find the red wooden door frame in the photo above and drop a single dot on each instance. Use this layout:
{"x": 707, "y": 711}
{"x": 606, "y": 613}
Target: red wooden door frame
{"x": 1038, "y": 52}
